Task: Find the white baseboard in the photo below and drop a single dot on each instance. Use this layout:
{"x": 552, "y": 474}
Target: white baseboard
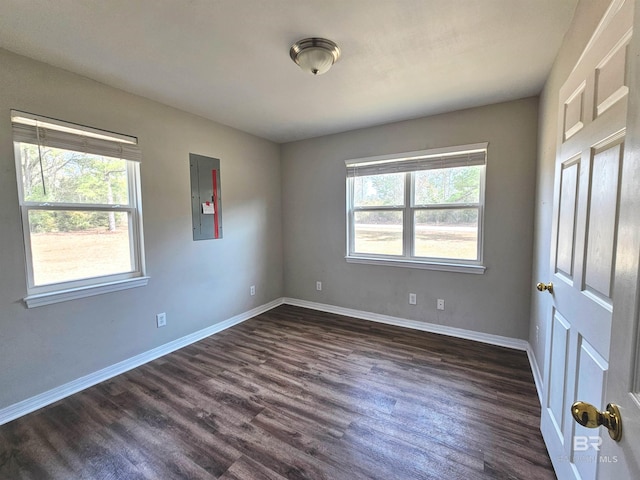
{"x": 501, "y": 341}
{"x": 515, "y": 343}
{"x": 537, "y": 376}
{"x": 42, "y": 400}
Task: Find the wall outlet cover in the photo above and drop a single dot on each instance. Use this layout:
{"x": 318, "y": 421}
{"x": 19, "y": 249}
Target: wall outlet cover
{"x": 161, "y": 319}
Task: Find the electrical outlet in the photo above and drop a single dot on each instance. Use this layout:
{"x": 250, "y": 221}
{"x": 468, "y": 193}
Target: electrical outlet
{"x": 440, "y": 305}
{"x": 161, "y": 319}
{"x": 412, "y": 299}
{"x": 319, "y": 286}
{"x": 252, "y": 290}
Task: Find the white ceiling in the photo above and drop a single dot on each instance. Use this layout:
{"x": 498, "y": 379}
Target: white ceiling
{"x": 228, "y": 60}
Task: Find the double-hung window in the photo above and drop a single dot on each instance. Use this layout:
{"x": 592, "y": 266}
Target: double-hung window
{"x": 418, "y": 209}
{"x": 79, "y": 193}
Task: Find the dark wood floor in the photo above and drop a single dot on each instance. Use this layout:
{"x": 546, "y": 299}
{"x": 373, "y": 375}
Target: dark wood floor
{"x": 297, "y": 394}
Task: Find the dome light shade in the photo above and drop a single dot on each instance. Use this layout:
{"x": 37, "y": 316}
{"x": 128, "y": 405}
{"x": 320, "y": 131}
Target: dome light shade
{"x": 315, "y": 55}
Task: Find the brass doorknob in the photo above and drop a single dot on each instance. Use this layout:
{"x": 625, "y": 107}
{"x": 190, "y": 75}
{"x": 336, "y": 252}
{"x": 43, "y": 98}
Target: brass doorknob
{"x": 589, "y": 416}
{"x": 545, "y": 286}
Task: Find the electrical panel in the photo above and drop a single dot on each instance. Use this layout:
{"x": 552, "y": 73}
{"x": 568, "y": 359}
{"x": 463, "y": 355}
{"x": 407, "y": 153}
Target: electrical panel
{"x": 206, "y": 197}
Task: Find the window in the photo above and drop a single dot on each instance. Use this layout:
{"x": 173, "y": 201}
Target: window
{"x": 418, "y": 209}
{"x": 79, "y": 193}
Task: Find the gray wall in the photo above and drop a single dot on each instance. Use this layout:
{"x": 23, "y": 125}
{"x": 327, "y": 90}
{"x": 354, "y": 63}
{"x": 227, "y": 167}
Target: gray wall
{"x": 201, "y": 283}
{"x": 585, "y": 21}
{"x": 313, "y": 194}
{"x": 197, "y": 283}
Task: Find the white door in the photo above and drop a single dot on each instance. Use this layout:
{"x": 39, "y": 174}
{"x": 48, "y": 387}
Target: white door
{"x": 586, "y": 239}
{"x": 623, "y": 381}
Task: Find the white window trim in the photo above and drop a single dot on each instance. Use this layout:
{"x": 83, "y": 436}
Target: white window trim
{"x": 441, "y": 267}
{"x": 39, "y": 300}
{"x": 407, "y": 261}
{"x": 70, "y": 290}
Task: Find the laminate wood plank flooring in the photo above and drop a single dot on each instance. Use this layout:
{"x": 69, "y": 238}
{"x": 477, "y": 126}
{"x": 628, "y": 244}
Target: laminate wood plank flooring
{"x": 296, "y": 394}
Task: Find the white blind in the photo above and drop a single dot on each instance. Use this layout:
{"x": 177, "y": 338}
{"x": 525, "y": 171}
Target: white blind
{"x": 464, "y": 156}
{"x": 29, "y": 128}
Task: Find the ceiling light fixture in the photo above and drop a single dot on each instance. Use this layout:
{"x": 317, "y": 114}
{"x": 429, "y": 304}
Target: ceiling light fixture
{"x": 314, "y": 55}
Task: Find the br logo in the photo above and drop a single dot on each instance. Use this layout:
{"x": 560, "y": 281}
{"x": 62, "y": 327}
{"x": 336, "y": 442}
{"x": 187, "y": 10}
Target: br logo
{"x": 582, "y": 443}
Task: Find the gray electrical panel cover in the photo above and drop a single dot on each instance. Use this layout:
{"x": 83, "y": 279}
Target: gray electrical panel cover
{"x": 206, "y": 198}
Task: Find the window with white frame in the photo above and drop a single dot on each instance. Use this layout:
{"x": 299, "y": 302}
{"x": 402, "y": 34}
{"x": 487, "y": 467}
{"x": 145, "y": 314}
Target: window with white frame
{"x": 79, "y": 193}
{"x": 418, "y": 209}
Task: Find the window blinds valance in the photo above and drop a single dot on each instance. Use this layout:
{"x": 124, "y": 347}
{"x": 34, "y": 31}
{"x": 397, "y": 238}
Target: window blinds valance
{"x": 73, "y": 137}
{"x": 462, "y": 156}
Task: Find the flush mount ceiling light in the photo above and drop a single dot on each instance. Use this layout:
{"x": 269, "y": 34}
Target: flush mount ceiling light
{"x": 314, "y": 55}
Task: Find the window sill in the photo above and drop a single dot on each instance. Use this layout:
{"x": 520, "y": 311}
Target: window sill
{"x": 40, "y": 299}
{"x": 443, "y": 267}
